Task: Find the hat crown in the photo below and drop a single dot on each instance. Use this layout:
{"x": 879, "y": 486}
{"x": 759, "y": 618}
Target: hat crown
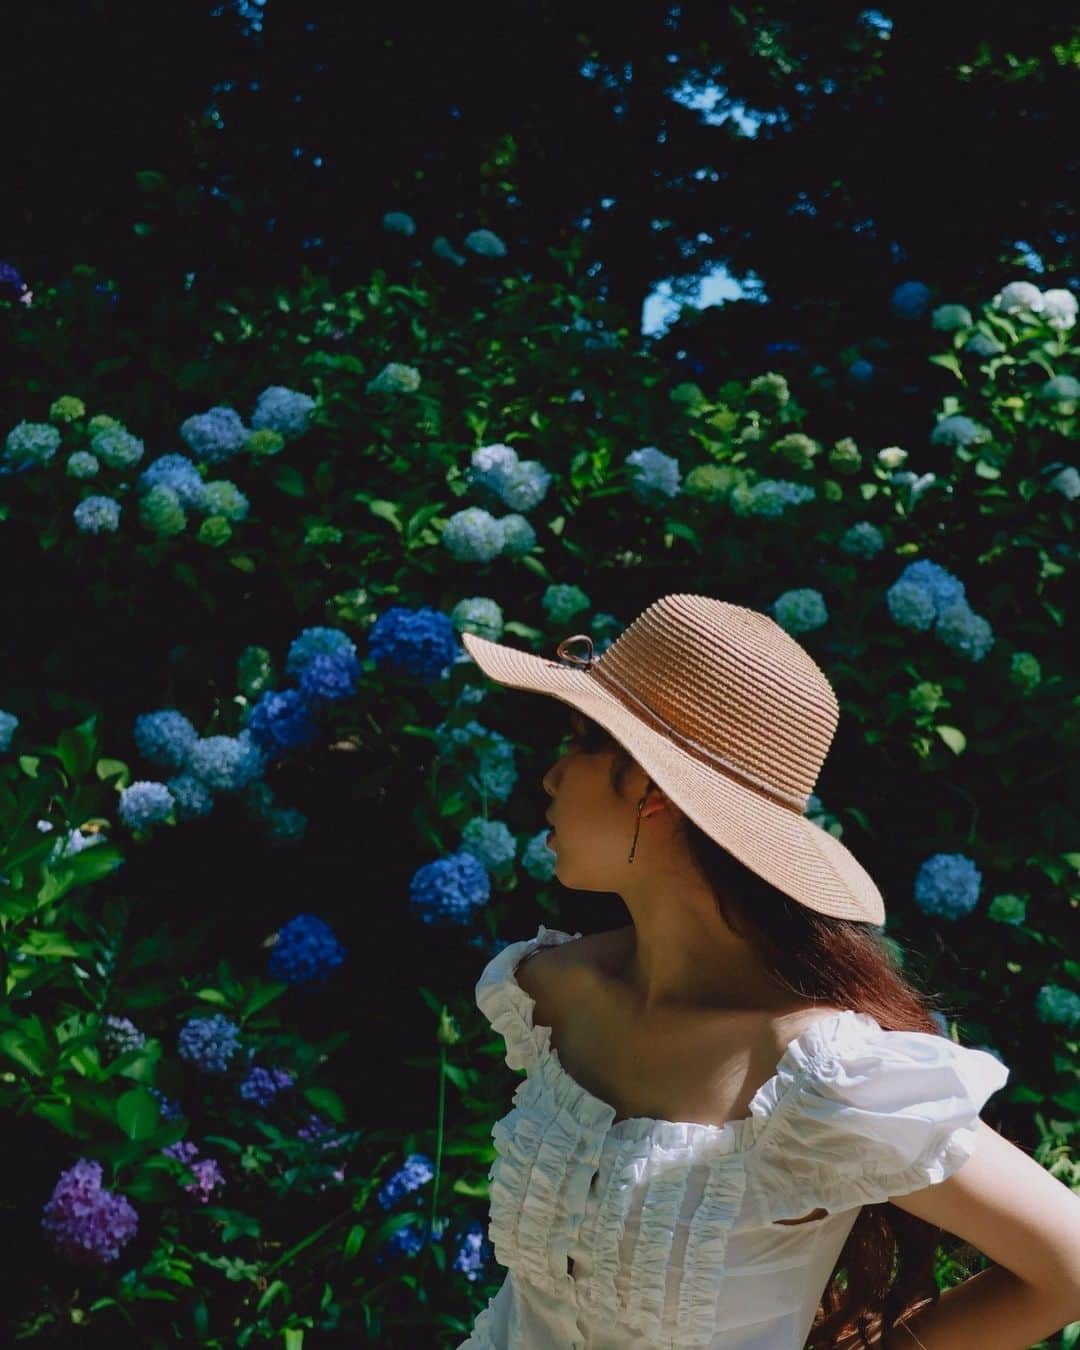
{"x": 732, "y": 685}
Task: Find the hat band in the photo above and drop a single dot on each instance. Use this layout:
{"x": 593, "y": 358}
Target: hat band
{"x": 692, "y": 747}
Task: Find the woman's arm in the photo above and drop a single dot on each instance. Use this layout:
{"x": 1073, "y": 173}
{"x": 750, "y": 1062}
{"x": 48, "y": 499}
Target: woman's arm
{"x": 1025, "y": 1221}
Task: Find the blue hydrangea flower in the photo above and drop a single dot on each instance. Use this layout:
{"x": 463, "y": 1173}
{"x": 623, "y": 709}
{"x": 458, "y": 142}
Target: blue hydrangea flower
{"x": 862, "y": 540}
{"x": 120, "y": 1034}
{"x": 526, "y": 486}
{"x": 284, "y": 410}
{"x": 227, "y": 763}
{"x": 165, "y": 737}
{"x": 192, "y": 797}
{"x": 490, "y": 841}
{"x": 1019, "y": 297}
{"x": 861, "y": 370}
{"x": 474, "y": 1252}
{"x": 537, "y": 859}
{"x": 417, "y": 1171}
{"x": 1061, "y": 389}
{"x": 947, "y": 885}
{"x": 314, "y": 642}
{"x": 449, "y": 890}
{"x": 223, "y": 498}
{"x": 169, "y": 1109}
{"x": 964, "y": 631}
{"x": 605, "y": 629}
{"x": 491, "y": 467}
{"x": 496, "y": 772}
{"x": 561, "y": 603}
{"x": 911, "y": 605}
{"x": 416, "y": 642}
{"x": 769, "y": 497}
{"x": 801, "y": 610}
{"x": 214, "y": 436}
{"x": 209, "y": 1042}
{"x": 519, "y": 537}
{"x": 328, "y": 678}
{"x": 1057, "y": 1006}
{"x": 82, "y": 465}
{"x": 405, "y": 1241}
{"x": 11, "y": 278}
{"x": 262, "y": 1085}
{"x": 943, "y": 588}
{"x": 443, "y": 248}
{"x": 399, "y": 222}
{"x": 910, "y": 300}
{"x": 480, "y": 615}
{"x": 958, "y": 430}
{"x": 983, "y": 344}
{"x": 485, "y": 243}
{"x": 8, "y": 723}
{"x": 96, "y": 515}
{"x": 948, "y": 318}
{"x": 1067, "y": 482}
{"x": 208, "y": 1174}
{"x": 31, "y": 443}
{"x": 86, "y": 1224}
{"x": 117, "y": 448}
{"x": 473, "y": 535}
{"x": 176, "y": 472}
{"x": 306, "y": 951}
{"x": 1059, "y": 309}
{"x": 656, "y": 476}
{"x": 282, "y": 721}
{"x": 395, "y": 378}
{"x": 144, "y": 803}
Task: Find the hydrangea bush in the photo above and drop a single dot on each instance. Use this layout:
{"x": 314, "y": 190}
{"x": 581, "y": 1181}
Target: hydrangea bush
{"x": 463, "y": 480}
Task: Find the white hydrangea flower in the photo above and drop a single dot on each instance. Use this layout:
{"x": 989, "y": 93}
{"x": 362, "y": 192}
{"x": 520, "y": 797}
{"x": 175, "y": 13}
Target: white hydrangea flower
{"x": 657, "y": 475}
{"x": 1067, "y": 482}
{"x": 1019, "y": 297}
{"x": 1059, "y": 309}
{"x": 473, "y": 535}
{"x": 892, "y": 457}
{"x": 395, "y": 378}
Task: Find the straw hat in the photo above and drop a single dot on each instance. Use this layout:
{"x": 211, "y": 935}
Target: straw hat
{"x": 731, "y": 717}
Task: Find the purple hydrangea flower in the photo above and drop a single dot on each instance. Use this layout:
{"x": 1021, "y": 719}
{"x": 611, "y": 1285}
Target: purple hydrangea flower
{"x": 209, "y": 1042}
{"x": 120, "y": 1034}
{"x": 417, "y": 642}
{"x": 208, "y": 1173}
{"x": 416, "y": 1171}
{"x": 448, "y": 890}
{"x": 263, "y": 1085}
{"x": 316, "y": 1131}
{"x": 328, "y": 678}
{"x": 282, "y": 721}
{"x": 306, "y": 950}
{"x": 86, "y": 1224}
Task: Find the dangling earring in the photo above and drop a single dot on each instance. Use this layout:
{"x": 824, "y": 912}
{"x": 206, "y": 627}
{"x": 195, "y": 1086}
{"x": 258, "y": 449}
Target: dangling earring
{"x": 637, "y": 827}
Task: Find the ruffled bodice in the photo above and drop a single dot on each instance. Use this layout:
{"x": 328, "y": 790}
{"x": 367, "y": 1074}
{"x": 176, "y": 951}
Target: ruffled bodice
{"x": 643, "y": 1233}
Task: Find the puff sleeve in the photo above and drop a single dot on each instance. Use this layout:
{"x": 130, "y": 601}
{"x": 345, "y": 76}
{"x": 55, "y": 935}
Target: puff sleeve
{"x": 505, "y": 1004}
{"x": 856, "y": 1114}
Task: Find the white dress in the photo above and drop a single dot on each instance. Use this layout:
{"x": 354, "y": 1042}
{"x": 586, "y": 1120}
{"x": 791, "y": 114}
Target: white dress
{"x": 670, "y": 1226}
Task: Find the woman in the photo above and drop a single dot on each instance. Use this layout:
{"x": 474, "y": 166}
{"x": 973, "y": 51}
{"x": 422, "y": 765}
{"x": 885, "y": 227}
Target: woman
{"x": 739, "y": 1126}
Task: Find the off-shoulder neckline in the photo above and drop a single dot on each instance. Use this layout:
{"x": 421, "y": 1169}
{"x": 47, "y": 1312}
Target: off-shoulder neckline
{"x": 796, "y": 1054}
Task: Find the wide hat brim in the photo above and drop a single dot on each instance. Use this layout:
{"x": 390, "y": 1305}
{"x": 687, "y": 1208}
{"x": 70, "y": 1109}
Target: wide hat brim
{"x": 786, "y": 848}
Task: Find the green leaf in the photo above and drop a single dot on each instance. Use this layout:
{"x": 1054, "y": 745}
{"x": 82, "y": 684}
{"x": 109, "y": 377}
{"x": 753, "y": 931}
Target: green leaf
{"x": 985, "y": 470}
{"x": 137, "y": 1113}
{"x": 386, "y": 511}
{"x": 953, "y": 737}
{"x": 27, "y": 1045}
{"x": 29, "y": 765}
{"x": 272, "y": 1291}
{"x": 40, "y": 943}
{"x": 294, "y": 1338}
{"x": 214, "y": 996}
{"x": 259, "y": 998}
{"x": 327, "y": 1101}
{"x": 353, "y": 1241}
{"x": 288, "y": 480}
{"x": 243, "y": 563}
{"x": 949, "y": 361}
{"x": 113, "y": 768}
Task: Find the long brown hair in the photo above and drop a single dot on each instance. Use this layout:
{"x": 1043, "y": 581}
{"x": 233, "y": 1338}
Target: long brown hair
{"x": 885, "y": 1270}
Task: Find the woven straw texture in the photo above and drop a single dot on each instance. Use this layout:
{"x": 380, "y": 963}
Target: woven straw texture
{"x": 732, "y": 718}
